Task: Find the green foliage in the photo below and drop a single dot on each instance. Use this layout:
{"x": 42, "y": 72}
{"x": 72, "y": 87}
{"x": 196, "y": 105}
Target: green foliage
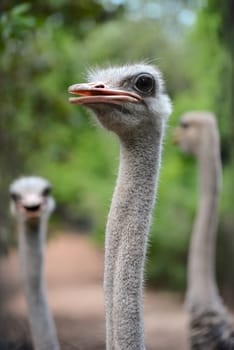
{"x": 15, "y": 23}
{"x": 224, "y": 11}
{"x": 38, "y": 127}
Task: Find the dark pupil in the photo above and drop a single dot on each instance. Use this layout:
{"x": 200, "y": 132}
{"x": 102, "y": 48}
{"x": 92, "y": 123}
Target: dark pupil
{"x": 145, "y": 84}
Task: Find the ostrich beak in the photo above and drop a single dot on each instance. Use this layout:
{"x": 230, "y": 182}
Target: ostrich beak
{"x": 31, "y": 206}
{"x": 100, "y": 93}
{"x": 176, "y": 136}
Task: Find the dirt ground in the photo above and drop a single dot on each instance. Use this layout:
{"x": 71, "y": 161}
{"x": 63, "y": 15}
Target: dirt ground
{"x": 74, "y": 272}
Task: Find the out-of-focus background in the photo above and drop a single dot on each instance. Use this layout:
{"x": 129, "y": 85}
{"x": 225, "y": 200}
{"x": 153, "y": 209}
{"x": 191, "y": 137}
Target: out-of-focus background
{"x": 44, "y": 48}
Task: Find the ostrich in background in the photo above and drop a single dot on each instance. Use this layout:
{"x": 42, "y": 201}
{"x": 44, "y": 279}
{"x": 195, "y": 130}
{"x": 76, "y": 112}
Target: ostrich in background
{"x": 129, "y": 101}
{"x": 210, "y": 325}
{"x": 32, "y": 204}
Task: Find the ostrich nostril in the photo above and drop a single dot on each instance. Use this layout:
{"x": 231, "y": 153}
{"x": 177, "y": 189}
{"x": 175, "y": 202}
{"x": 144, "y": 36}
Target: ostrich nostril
{"x": 99, "y": 86}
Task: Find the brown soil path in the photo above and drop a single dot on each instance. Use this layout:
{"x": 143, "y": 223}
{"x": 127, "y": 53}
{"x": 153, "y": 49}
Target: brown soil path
{"x": 74, "y": 272}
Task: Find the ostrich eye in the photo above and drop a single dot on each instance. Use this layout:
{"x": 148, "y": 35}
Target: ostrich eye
{"x": 145, "y": 83}
{"x": 15, "y": 197}
{"x": 184, "y": 125}
{"x": 46, "y": 191}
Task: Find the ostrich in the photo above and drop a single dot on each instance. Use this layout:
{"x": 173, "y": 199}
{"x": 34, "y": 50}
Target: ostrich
{"x": 210, "y": 325}
{"x": 32, "y": 204}
{"x": 129, "y": 101}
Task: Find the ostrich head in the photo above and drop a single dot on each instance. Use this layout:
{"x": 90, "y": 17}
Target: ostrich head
{"x": 30, "y": 198}
{"x": 194, "y": 131}
{"x": 124, "y": 98}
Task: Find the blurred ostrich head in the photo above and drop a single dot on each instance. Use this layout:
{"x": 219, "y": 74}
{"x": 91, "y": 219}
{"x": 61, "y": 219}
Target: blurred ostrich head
{"x": 195, "y": 130}
{"x": 31, "y": 198}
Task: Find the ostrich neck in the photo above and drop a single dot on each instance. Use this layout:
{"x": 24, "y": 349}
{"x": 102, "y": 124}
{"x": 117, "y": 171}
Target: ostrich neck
{"x": 126, "y": 239}
{"x": 31, "y": 251}
{"x": 202, "y": 289}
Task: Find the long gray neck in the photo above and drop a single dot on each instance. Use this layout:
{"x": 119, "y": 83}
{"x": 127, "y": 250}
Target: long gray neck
{"x": 32, "y": 236}
{"x": 126, "y": 239}
{"x": 202, "y": 288}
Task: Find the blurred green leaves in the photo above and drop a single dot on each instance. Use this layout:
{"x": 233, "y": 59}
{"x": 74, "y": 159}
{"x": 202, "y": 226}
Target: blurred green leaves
{"x": 15, "y": 23}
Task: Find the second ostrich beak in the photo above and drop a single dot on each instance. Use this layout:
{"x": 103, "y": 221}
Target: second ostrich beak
{"x": 176, "y": 136}
{"x": 100, "y": 93}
